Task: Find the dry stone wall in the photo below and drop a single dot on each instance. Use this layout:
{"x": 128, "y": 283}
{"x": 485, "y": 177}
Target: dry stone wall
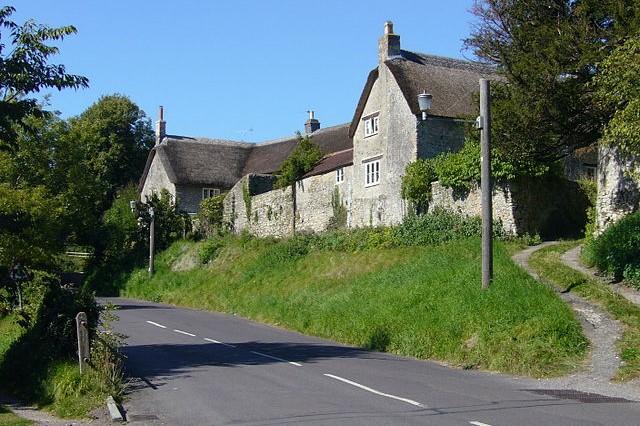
{"x": 550, "y": 208}
{"x": 618, "y": 191}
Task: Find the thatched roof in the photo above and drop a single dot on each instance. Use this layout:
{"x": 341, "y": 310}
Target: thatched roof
{"x": 221, "y": 163}
{"x": 451, "y": 82}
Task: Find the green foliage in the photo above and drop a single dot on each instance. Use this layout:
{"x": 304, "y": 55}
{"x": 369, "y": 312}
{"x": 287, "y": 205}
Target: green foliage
{"x": 462, "y": 169}
{"x": 617, "y": 250}
{"x": 48, "y": 318}
{"x": 210, "y": 249}
{"x": 619, "y": 86}
{"x": 246, "y": 197}
{"x": 549, "y": 53}
{"x": 170, "y": 223}
{"x": 302, "y": 160}
{"x": 416, "y": 183}
{"x": 339, "y": 218}
{"x": 25, "y": 70}
{"x": 122, "y": 248}
{"x": 211, "y": 216}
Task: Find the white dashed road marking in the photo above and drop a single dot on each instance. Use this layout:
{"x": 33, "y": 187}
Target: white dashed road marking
{"x": 368, "y": 389}
{"x": 219, "y": 343}
{"x": 156, "y": 324}
{"x": 479, "y": 424}
{"x": 185, "y": 333}
{"x": 276, "y": 358}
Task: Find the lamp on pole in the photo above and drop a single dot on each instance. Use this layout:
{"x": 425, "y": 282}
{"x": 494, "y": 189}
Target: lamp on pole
{"x": 152, "y": 233}
{"x": 424, "y": 102}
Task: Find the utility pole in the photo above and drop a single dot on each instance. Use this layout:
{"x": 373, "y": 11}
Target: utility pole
{"x": 152, "y": 235}
{"x": 485, "y": 183}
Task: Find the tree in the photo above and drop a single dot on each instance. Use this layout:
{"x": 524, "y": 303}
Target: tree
{"x": 302, "y": 160}
{"x": 25, "y": 70}
{"x": 116, "y": 137}
{"x": 619, "y": 86}
{"x": 549, "y": 52}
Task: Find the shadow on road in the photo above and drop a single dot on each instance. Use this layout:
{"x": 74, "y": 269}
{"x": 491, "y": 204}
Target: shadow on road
{"x": 171, "y": 359}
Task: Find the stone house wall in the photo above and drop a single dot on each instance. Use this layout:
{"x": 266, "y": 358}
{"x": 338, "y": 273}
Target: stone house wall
{"x": 618, "y": 192}
{"x": 156, "y": 181}
{"x": 394, "y": 146}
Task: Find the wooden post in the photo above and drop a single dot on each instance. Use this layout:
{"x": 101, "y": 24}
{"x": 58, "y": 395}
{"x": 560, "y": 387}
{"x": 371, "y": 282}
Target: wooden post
{"x": 84, "y": 354}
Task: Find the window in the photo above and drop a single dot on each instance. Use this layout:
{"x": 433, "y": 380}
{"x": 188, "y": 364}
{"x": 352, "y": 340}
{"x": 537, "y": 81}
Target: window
{"x": 340, "y": 175}
{"x": 372, "y": 173}
{"x": 210, "y": 192}
{"x": 370, "y": 125}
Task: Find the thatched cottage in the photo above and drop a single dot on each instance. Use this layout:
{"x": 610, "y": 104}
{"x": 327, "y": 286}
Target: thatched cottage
{"x": 358, "y": 181}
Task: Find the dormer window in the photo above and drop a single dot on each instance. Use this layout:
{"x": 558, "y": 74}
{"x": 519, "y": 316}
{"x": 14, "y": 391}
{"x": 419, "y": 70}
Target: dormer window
{"x": 210, "y": 193}
{"x": 370, "y": 125}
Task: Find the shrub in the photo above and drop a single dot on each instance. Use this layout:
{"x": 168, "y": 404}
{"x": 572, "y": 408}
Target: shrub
{"x": 617, "y": 250}
{"x": 302, "y": 160}
{"x": 211, "y": 215}
{"x": 210, "y": 249}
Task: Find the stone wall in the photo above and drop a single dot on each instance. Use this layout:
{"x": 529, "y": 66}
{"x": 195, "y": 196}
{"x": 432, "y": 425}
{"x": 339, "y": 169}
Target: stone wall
{"x": 315, "y": 197}
{"x": 250, "y": 206}
{"x": 549, "y": 208}
{"x": 618, "y": 192}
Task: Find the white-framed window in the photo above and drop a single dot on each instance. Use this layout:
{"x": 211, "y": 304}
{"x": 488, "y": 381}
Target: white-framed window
{"x": 372, "y": 172}
{"x": 210, "y": 192}
{"x": 340, "y": 175}
{"x": 371, "y": 125}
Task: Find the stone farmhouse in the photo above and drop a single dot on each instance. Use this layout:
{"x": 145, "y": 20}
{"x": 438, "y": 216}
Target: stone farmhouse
{"x": 358, "y": 181}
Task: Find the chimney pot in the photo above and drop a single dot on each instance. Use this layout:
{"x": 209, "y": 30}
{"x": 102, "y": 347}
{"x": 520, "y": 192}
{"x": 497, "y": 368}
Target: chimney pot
{"x": 389, "y": 44}
{"x": 161, "y": 127}
{"x": 312, "y": 124}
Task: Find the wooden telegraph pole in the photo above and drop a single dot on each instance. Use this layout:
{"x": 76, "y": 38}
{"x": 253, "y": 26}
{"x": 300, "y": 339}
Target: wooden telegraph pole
{"x": 485, "y": 183}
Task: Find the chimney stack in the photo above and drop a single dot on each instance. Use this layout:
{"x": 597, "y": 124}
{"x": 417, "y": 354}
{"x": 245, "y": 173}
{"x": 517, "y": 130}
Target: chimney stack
{"x": 312, "y": 124}
{"x": 389, "y": 44}
{"x": 161, "y": 127}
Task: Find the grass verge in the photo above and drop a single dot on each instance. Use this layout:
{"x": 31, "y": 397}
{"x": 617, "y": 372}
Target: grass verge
{"x": 547, "y": 262}
{"x": 53, "y": 384}
{"x": 423, "y": 301}
{"x": 7, "y": 418}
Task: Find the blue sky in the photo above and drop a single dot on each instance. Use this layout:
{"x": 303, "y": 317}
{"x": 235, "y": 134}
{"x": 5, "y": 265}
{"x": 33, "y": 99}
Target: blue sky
{"x": 239, "y": 69}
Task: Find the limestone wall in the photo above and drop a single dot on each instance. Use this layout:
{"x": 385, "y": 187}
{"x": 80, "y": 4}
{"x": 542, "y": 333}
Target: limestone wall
{"x": 315, "y": 195}
{"x": 265, "y": 213}
{"x": 618, "y": 192}
{"x": 550, "y": 208}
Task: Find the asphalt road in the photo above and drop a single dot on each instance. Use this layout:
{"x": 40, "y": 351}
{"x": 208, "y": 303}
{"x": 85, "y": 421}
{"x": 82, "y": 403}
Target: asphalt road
{"x": 196, "y": 368}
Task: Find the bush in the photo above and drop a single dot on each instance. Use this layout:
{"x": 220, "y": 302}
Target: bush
{"x": 617, "y": 250}
{"x": 210, "y": 249}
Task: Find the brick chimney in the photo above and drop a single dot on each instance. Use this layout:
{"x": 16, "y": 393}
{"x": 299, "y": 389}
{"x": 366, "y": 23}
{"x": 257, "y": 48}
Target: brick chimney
{"x": 312, "y": 124}
{"x": 161, "y": 127}
{"x": 389, "y": 44}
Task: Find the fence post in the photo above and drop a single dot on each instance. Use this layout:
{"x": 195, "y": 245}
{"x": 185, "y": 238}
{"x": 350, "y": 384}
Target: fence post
{"x": 84, "y": 355}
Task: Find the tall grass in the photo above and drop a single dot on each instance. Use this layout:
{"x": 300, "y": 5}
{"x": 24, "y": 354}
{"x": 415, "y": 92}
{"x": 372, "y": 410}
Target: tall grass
{"x": 422, "y": 301}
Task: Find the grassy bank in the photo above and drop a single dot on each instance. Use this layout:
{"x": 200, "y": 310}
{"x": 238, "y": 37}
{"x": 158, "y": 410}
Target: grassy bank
{"x": 422, "y": 301}
{"x": 550, "y": 267}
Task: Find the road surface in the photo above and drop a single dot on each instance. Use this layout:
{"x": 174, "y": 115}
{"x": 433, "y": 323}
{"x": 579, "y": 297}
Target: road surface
{"x": 197, "y": 368}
